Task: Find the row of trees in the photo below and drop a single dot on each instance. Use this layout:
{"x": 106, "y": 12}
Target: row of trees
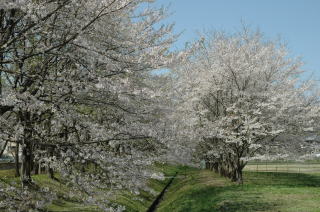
{"x": 76, "y": 92}
{"x": 239, "y": 92}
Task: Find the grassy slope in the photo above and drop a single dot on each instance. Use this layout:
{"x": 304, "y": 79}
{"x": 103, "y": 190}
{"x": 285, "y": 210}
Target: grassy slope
{"x": 202, "y": 190}
{"x": 143, "y": 201}
{"x": 132, "y": 202}
{"x": 63, "y": 203}
{"x": 205, "y": 191}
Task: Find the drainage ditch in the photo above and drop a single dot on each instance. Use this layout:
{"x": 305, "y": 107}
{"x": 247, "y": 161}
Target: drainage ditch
{"x": 157, "y": 201}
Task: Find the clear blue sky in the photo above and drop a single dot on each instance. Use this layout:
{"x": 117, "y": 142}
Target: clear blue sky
{"x": 296, "y": 21}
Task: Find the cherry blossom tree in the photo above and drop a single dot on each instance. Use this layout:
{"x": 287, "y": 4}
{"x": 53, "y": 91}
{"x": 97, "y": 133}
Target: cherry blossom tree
{"x": 77, "y": 91}
{"x": 237, "y": 90}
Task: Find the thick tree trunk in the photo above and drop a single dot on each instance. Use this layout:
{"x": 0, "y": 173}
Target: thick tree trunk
{"x": 50, "y": 169}
{"x": 26, "y": 164}
{"x": 237, "y": 175}
{"x": 51, "y": 173}
{"x": 26, "y": 159}
{"x": 17, "y": 162}
{"x": 36, "y": 168}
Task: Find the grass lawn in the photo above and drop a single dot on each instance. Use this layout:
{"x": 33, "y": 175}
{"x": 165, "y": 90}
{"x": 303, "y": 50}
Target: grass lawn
{"x": 284, "y": 167}
{"x": 203, "y": 190}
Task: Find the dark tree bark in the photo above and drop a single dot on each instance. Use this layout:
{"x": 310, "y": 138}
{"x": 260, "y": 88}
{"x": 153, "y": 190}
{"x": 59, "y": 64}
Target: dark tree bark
{"x": 26, "y": 164}
{"x": 50, "y": 169}
{"x": 17, "y": 162}
{"x": 27, "y": 157}
{"x": 36, "y": 168}
{"x": 4, "y": 148}
{"x": 51, "y": 173}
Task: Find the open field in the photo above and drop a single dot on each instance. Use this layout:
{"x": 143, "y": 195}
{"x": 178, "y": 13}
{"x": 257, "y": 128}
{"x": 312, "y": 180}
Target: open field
{"x": 284, "y": 167}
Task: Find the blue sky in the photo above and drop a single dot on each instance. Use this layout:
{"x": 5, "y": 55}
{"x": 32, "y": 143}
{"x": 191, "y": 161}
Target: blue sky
{"x": 296, "y": 21}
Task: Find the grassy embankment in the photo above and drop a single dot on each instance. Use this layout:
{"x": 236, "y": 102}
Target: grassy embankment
{"x": 265, "y": 191}
{"x": 63, "y": 203}
{"x": 132, "y": 202}
{"x": 203, "y": 190}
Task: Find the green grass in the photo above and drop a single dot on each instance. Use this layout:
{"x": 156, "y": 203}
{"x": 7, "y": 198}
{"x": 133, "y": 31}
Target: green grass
{"x": 63, "y": 203}
{"x": 7, "y": 173}
{"x": 132, "y": 202}
{"x": 143, "y": 201}
{"x": 203, "y": 191}
{"x": 284, "y": 167}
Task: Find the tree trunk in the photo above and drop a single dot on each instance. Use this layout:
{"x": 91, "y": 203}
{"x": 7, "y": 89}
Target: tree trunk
{"x": 216, "y": 167}
{"x": 237, "y": 175}
{"x": 240, "y": 176}
{"x": 26, "y": 164}
{"x": 50, "y": 169}
{"x": 4, "y": 147}
{"x": 207, "y": 165}
{"x": 51, "y": 173}
{"x": 36, "y": 168}
{"x": 17, "y": 165}
{"x": 26, "y": 159}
